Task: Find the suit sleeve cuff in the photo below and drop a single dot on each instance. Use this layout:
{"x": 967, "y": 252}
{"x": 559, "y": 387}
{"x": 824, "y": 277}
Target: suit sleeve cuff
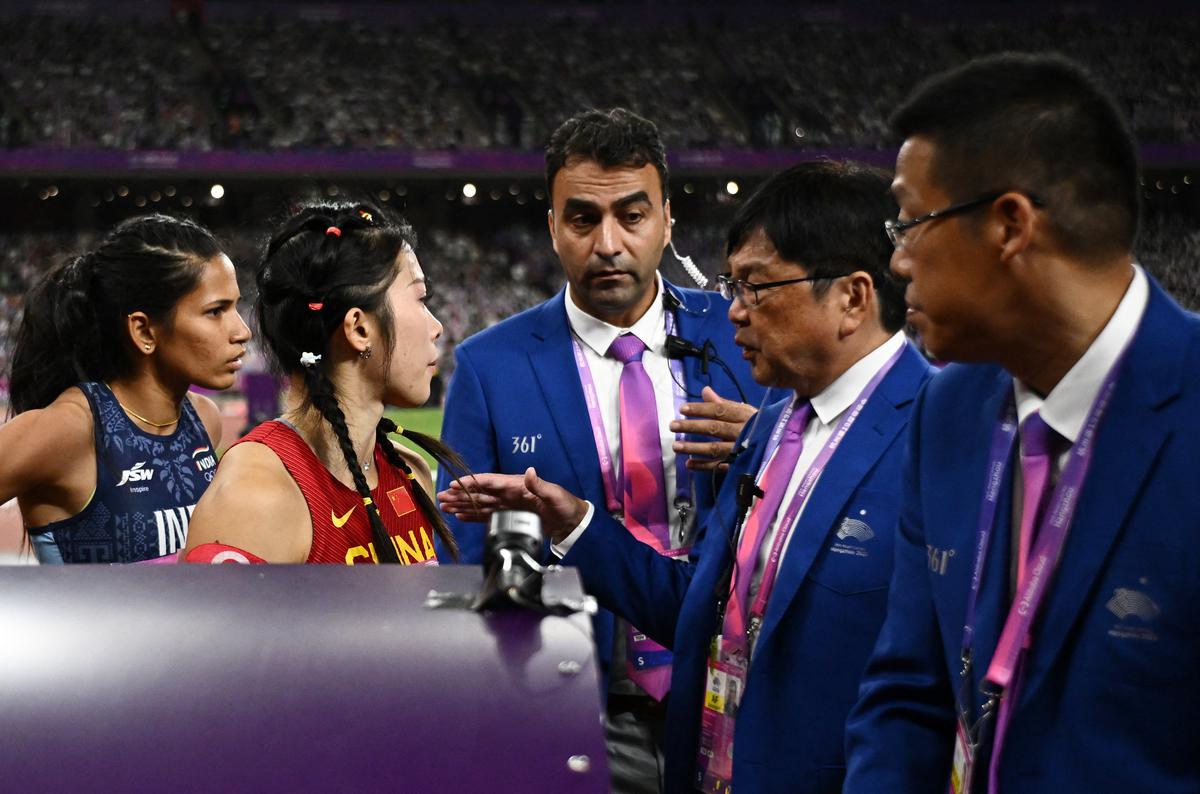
{"x": 560, "y": 549}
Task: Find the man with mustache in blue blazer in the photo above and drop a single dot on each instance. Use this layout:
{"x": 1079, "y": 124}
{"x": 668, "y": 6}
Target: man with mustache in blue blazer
{"x": 542, "y": 388}
{"x": 1041, "y": 629}
{"x": 773, "y": 619}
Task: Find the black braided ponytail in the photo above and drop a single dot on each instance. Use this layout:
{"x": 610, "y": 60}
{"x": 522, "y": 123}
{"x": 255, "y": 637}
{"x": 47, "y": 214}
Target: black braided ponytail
{"x": 321, "y": 395}
{"x": 446, "y": 458}
{"x": 325, "y": 260}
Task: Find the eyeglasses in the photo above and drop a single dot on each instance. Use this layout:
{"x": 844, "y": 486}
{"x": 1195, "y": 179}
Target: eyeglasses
{"x": 731, "y": 288}
{"x": 897, "y": 229}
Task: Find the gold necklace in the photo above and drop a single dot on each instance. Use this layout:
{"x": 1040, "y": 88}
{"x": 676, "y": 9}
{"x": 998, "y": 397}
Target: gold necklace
{"x": 141, "y": 418}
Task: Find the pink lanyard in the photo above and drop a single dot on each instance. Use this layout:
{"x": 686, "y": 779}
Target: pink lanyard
{"x": 771, "y": 570}
{"x": 608, "y": 472}
{"x": 1047, "y": 548}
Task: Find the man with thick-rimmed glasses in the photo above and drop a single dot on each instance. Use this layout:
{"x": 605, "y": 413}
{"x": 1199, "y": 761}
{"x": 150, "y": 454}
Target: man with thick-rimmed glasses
{"x": 1041, "y": 629}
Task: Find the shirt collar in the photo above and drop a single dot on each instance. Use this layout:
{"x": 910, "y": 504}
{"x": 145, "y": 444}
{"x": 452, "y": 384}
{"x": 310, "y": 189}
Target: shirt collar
{"x": 835, "y": 398}
{"x": 599, "y": 335}
{"x": 1067, "y": 405}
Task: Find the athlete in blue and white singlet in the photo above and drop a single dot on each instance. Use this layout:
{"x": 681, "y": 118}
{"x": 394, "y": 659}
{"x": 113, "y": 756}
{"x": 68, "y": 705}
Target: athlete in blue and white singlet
{"x": 146, "y": 488}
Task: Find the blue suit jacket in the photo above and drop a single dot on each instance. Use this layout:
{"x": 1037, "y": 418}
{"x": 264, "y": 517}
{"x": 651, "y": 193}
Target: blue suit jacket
{"x": 821, "y": 621}
{"x": 516, "y": 401}
{"x": 1109, "y": 699}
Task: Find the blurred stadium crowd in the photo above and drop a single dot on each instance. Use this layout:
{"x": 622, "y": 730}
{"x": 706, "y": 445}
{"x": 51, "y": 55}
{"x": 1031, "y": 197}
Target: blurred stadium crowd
{"x": 479, "y": 279}
{"x": 281, "y": 82}
{"x": 259, "y": 78}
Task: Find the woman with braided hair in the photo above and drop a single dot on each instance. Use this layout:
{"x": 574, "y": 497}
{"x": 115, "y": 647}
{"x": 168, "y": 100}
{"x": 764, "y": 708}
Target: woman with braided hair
{"x": 341, "y": 309}
{"x": 108, "y": 451}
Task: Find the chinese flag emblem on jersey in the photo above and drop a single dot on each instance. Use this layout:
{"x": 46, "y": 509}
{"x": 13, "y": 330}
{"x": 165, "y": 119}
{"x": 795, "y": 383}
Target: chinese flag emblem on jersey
{"x": 402, "y": 501}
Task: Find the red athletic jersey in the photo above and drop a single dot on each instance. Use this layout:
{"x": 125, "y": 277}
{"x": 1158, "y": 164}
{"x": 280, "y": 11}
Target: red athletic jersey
{"x": 341, "y": 529}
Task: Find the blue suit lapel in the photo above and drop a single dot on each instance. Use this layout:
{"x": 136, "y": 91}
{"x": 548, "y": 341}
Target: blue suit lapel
{"x": 959, "y": 499}
{"x": 691, "y": 324}
{"x": 874, "y": 430}
{"x": 724, "y": 518}
{"x": 553, "y": 363}
{"x": 700, "y": 319}
{"x": 1131, "y": 434}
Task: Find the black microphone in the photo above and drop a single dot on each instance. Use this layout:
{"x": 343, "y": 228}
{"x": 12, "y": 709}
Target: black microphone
{"x": 678, "y": 347}
{"x": 746, "y": 491}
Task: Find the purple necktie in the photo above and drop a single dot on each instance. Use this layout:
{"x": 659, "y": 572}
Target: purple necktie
{"x": 1038, "y": 440}
{"x": 774, "y": 482}
{"x": 1038, "y": 445}
{"x": 643, "y": 483}
{"x": 644, "y": 494}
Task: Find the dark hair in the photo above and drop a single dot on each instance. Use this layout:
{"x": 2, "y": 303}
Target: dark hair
{"x": 306, "y": 264}
{"x": 74, "y": 327}
{"x": 828, "y": 218}
{"x": 614, "y": 138}
{"x": 1038, "y": 123}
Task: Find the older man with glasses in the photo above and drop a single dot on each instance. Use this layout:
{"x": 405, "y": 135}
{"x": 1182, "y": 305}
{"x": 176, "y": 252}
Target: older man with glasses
{"x": 772, "y": 619}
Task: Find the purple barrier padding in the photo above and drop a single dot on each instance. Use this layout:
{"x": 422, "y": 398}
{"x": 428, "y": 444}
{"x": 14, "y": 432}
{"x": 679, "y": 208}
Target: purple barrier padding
{"x": 167, "y": 559}
{"x": 288, "y": 678}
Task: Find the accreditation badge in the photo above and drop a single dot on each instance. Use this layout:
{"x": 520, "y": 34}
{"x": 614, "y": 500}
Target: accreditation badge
{"x": 964, "y": 759}
{"x": 725, "y": 678}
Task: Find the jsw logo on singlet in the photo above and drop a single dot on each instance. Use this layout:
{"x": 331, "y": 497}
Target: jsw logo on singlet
{"x": 136, "y": 474}
{"x": 172, "y": 528}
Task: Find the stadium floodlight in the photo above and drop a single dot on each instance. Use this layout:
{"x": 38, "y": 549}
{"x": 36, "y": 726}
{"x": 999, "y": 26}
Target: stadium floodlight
{"x": 469, "y": 190}
{"x": 217, "y": 191}
{"x": 731, "y": 187}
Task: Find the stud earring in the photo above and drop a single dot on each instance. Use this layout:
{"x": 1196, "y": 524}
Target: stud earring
{"x": 147, "y": 346}
{"x": 365, "y": 354}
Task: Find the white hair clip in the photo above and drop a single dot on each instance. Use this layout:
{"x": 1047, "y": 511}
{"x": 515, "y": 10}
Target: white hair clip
{"x": 309, "y": 359}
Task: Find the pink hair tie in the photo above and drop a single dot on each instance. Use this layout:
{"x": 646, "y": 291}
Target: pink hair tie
{"x": 316, "y": 307}
{"x": 335, "y": 231}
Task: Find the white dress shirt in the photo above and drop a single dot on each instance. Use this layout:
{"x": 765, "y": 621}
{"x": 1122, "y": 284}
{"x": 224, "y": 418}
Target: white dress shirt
{"x": 595, "y": 337}
{"x": 827, "y": 410}
{"x": 1065, "y": 409}
{"x": 828, "y": 407}
{"x": 1067, "y": 405}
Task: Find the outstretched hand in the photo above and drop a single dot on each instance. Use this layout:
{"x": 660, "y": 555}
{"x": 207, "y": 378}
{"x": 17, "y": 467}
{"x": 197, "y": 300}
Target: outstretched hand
{"x": 717, "y": 417}
{"x": 475, "y": 497}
